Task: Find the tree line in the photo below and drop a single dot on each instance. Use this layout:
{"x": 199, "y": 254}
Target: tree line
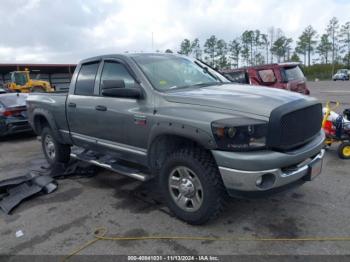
{"x": 254, "y": 47}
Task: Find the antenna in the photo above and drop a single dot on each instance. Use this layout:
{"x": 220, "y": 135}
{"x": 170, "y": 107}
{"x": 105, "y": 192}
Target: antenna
{"x": 152, "y": 42}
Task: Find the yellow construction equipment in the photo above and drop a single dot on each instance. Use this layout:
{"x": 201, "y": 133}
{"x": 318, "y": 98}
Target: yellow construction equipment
{"x": 20, "y": 81}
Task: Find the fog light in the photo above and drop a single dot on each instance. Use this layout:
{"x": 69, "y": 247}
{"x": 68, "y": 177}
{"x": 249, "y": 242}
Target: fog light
{"x": 266, "y": 181}
{"x": 258, "y": 181}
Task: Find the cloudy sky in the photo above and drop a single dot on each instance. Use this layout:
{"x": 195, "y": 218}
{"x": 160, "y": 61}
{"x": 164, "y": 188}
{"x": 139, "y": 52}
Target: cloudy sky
{"x": 65, "y": 31}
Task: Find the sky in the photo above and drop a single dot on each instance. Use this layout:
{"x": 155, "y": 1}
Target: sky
{"x": 66, "y": 31}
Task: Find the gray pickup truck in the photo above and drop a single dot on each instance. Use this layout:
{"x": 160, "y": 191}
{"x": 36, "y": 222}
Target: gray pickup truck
{"x": 172, "y": 118}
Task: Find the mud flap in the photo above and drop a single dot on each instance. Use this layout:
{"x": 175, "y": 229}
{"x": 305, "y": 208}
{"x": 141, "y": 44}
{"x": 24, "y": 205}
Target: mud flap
{"x": 14, "y": 190}
{"x": 16, "y": 180}
{"x": 18, "y": 189}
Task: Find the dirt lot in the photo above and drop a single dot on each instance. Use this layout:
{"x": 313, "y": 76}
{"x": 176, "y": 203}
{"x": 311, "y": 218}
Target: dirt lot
{"x": 60, "y": 222}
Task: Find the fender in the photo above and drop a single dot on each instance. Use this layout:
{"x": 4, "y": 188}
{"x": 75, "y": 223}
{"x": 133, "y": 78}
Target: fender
{"x": 51, "y": 121}
{"x": 199, "y": 136}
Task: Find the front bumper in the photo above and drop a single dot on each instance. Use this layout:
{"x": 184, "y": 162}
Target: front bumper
{"x": 241, "y": 180}
{"x": 241, "y": 171}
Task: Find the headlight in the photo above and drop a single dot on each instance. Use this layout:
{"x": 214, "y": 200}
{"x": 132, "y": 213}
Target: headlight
{"x": 240, "y": 134}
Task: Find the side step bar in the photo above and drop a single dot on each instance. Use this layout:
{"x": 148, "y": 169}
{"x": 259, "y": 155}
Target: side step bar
{"x": 115, "y": 167}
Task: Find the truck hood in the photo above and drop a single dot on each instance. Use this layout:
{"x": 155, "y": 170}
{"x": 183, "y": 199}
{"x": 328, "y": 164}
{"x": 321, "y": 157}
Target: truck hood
{"x": 255, "y": 100}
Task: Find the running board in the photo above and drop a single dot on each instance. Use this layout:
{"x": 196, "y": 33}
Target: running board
{"x": 115, "y": 167}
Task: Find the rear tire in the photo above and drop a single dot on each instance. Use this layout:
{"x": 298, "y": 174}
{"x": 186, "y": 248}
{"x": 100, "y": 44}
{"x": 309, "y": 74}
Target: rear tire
{"x": 192, "y": 186}
{"x": 54, "y": 151}
{"x": 344, "y": 150}
{"x": 38, "y": 89}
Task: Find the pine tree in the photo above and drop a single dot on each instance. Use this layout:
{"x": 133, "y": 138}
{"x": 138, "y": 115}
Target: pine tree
{"x": 323, "y": 48}
{"x": 345, "y": 40}
{"x": 185, "y": 47}
{"x": 234, "y": 52}
{"x": 210, "y": 50}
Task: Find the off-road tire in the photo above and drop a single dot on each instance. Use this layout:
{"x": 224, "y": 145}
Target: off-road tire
{"x": 37, "y": 89}
{"x": 205, "y": 168}
{"x": 341, "y": 149}
{"x": 62, "y": 152}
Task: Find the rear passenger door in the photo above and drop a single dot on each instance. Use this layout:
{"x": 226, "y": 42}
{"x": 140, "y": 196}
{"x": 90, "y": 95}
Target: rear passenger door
{"x": 81, "y": 104}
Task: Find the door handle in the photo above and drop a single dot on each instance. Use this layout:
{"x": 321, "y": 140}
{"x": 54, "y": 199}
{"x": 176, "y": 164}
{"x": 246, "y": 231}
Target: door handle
{"x": 72, "y": 104}
{"x": 101, "y": 108}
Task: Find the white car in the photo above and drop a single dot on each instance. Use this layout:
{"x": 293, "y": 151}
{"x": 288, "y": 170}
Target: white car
{"x": 342, "y": 74}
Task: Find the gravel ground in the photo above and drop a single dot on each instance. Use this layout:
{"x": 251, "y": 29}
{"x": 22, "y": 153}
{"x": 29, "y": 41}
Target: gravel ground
{"x": 58, "y": 223}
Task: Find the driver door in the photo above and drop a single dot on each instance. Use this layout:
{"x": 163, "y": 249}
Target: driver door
{"x": 120, "y": 129}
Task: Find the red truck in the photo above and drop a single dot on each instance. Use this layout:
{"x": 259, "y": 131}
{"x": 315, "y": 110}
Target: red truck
{"x": 288, "y": 76}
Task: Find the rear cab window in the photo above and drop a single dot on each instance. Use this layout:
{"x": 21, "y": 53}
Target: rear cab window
{"x": 293, "y": 73}
{"x": 86, "y": 79}
{"x": 237, "y": 77}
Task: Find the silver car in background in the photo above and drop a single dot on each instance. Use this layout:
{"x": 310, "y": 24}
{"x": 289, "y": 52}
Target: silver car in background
{"x": 342, "y": 74}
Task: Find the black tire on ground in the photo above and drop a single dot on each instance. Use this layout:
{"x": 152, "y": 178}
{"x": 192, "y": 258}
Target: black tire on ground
{"x": 54, "y": 151}
{"x": 344, "y": 150}
{"x": 38, "y": 89}
{"x": 200, "y": 164}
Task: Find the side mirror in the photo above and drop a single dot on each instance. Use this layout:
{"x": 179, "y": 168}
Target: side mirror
{"x": 113, "y": 84}
{"x": 116, "y": 88}
{"x": 122, "y": 92}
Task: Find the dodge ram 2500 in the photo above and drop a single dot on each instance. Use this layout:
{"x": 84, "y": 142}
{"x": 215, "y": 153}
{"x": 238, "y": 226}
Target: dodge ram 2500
{"x": 172, "y": 118}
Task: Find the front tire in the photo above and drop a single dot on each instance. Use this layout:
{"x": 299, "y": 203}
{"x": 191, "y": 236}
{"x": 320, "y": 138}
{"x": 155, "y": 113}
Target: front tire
{"x": 344, "y": 150}
{"x": 54, "y": 151}
{"x": 192, "y": 186}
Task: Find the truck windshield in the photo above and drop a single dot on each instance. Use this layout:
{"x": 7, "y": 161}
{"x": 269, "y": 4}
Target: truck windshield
{"x": 170, "y": 72}
{"x": 294, "y": 73}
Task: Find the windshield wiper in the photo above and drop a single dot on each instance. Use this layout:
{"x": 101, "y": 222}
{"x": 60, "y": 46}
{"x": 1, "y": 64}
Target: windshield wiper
{"x": 206, "y": 70}
{"x": 195, "y": 85}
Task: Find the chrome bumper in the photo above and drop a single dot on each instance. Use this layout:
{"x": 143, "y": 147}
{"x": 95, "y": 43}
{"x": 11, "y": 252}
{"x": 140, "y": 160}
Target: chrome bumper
{"x": 242, "y": 180}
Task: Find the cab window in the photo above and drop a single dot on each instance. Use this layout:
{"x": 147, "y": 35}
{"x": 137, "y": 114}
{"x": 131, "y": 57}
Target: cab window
{"x": 267, "y": 76}
{"x": 20, "y": 78}
{"x": 86, "y": 79}
{"x": 117, "y": 71}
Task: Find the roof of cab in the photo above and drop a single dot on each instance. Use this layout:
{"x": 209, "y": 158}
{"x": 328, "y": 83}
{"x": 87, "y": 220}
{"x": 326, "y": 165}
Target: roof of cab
{"x": 265, "y": 66}
{"x": 121, "y": 55}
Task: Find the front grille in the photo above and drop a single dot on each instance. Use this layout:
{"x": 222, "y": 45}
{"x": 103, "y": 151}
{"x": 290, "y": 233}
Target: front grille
{"x": 294, "y": 124}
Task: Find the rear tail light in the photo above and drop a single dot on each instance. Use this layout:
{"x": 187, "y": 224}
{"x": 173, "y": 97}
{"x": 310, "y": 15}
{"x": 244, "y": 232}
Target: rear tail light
{"x": 289, "y": 86}
{"x": 12, "y": 112}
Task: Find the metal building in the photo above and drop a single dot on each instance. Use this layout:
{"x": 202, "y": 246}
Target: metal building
{"x": 58, "y": 75}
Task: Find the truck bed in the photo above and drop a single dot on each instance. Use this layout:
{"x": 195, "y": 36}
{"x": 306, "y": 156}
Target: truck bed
{"x": 50, "y": 104}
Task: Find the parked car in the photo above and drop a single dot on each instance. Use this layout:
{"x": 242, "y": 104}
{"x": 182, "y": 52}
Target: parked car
{"x": 172, "y": 118}
{"x": 342, "y": 74}
{"x": 13, "y": 114}
{"x": 286, "y": 76}
{"x": 2, "y": 90}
